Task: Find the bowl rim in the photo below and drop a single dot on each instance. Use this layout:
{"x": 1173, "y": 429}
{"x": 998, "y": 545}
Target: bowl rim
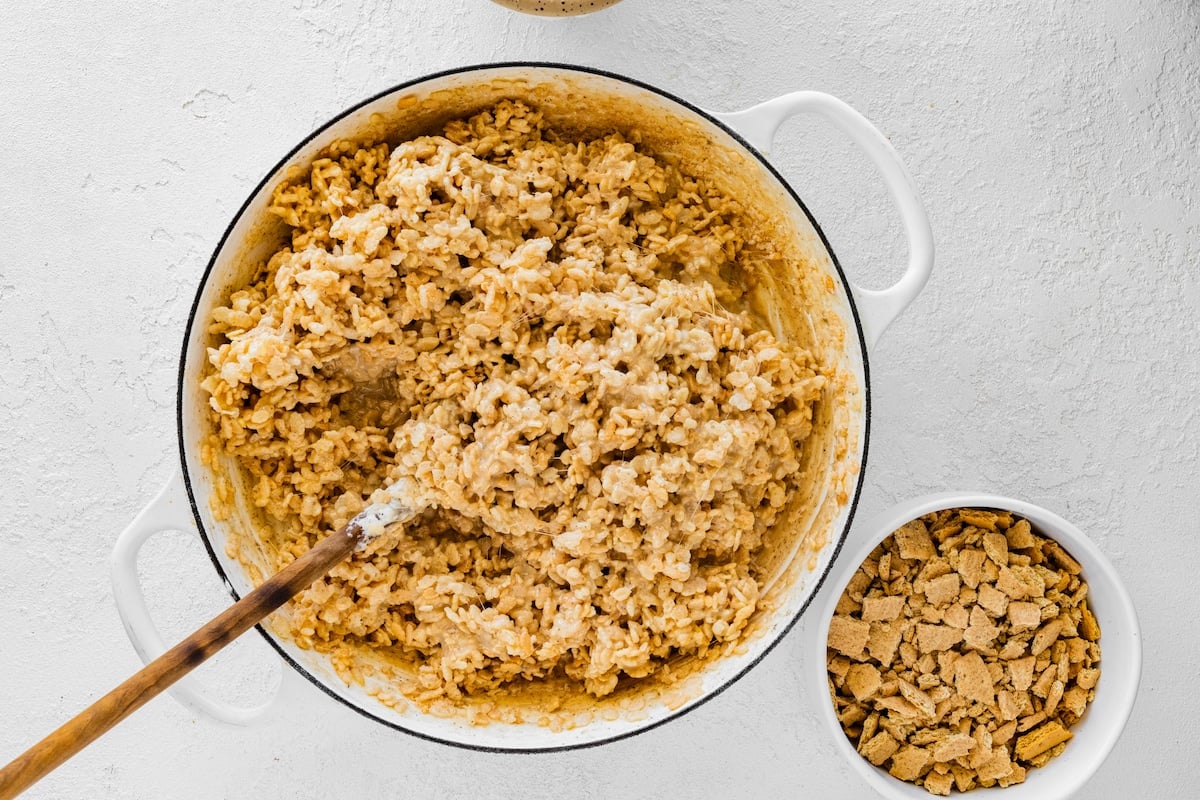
{"x": 1120, "y": 697}
{"x": 857, "y": 346}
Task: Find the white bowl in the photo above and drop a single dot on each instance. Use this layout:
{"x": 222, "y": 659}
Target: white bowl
{"x": 1120, "y": 652}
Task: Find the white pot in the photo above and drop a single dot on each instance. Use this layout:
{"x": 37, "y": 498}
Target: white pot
{"x": 731, "y": 144}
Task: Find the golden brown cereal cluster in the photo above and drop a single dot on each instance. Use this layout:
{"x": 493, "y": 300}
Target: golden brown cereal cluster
{"x": 963, "y": 650}
{"x": 537, "y": 331}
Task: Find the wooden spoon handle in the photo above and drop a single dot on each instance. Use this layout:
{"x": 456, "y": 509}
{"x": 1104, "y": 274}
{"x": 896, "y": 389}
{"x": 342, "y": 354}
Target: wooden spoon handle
{"x": 77, "y": 733}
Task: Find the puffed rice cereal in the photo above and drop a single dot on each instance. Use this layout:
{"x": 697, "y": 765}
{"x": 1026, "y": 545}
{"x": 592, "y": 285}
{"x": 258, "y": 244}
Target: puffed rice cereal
{"x": 548, "y": 336}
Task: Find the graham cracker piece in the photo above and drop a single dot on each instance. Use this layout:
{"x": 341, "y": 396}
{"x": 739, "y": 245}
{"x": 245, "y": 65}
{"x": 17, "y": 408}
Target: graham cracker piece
{"x": 852, "y": 715}
{"x": 879, "y": 748}
{"x": 1031, "y": 721}
{"x": 1075, "y": 700}
{"x": 983, "y": 747}
{"x": 1045, "y": 681}
{"x": 964, "y": 779}
{"x": 918, "y": 698}
{"x": 931, "y": 638}
{"x": 1020, "y": 673}
{"x": 885, "y": 567}
{"x": 999, "y": 766}
{"x": 979, "y": 616}
{"x": 838, "y": 665}
{"x": 1088, "y": 627}
{"x": 956, "y": 615}
{"x": 1044, "y": 758}
{"x": 1004, "y": 734}
{"x": 899, "y": 707}
{"x": 946, "y": 660}
{"x": 995, "y": 545}
{"x": 979, "y": 518}
{"x": 1041, "y": 739}
{"x": 1053, "y": 697}
{"x": 1016, "y": 776}
{"x": 1020, "y": 536}
{"x": 863, "y": 680}
{"x": 1023, "y": 616}
{"x": 1046, "y": 636}
{"x": 909, "y": 762}
{"x": 913, "y": 542}
{"x": 938, "y": 783}
{"x": 869, "y": 726}
{"x": 848, "y": 636}
{"x": 970, "y": 566}
{"x": 883, "y": 640}
{"x": 881, "y": 609}
{"x": 1054, "y": 551}
{"x": 1014, "y": 648}
{"x": 857, "y": 584}
{"x": 981, "y": 637}
{"x": 1087, "y": 678}
{"x": 972, "y": 679}
{"x": 1020, "y": 582}
{"x": 847, "y": 605}
{"x": 956, "y": 745}
{"x": 942, "y": 590}
{"x": 1007, "y": 703}
{"x": 993, "y": 599}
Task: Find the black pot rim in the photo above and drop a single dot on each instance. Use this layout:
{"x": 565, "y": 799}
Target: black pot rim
{"x": 192, "y": 322}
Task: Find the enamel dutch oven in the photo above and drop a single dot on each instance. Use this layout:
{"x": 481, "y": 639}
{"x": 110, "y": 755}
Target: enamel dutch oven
{"x": 808, "y": 297}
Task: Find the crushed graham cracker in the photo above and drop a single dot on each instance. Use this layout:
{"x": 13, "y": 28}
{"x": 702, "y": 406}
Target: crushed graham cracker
{"x": 963, "y": 650}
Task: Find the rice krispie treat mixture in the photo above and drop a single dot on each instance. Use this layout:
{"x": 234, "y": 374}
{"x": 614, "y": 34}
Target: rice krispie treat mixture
{"x": 543, "y": 334}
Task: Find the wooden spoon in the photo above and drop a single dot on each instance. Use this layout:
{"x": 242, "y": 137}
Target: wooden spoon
{"x": 77, "y": 733}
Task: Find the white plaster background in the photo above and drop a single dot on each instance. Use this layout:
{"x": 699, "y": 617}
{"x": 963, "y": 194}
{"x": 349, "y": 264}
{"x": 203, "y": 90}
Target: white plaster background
{"x": 1053, "y": 356}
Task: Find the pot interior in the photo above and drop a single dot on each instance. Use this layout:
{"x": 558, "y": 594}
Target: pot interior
{"x": 802, "y": 296}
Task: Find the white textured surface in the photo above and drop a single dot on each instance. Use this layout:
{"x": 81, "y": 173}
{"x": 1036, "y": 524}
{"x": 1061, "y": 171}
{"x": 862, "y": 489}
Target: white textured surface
{"x": 1054, "y": 355}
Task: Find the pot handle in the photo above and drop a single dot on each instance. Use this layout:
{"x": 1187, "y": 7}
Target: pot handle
{"x": 877, "y": 308}
{"x": 168, "y": 511}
